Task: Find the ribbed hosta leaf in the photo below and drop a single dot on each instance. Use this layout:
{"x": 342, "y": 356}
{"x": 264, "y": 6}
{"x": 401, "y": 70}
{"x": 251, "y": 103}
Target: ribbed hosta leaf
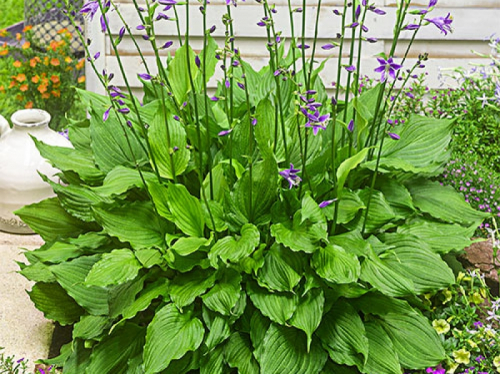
{"x": 413, "y": 259}
{"x": 135, "y": 223}
{"x": 184, "y": 288}
{"x": 112, "y": 354}
{"x": 116, "y": 267}
{"x": 297, "y": 235}
{"x": 382, "y": 359}
{"x": 346, "y": 166}
{"x": 385, "y": 279}
{"x": 335, "y": 265}
{"x": 109, "y": 148}
{"x": 121, "y": 179}
{"x": 416, "y": 343}
{"x": 55, "y": 304}
{"x": 343, "y": 333}
{"x": 282, "y": 269}
{"x": 428, "y": 196}
{"x": 309, "y": 313}
{"x": 148, "y": 294}
{"x": 229, "y": 249}
{"x": 380, "y": 211}
{"x": 285, "y": 351}
{"x": 71, "y": 276}
{"x": 279, "y": 307}
{"x": 422, "y": 147}
{"x": 218, "y": 327}
{"x": 186, "y": 210}
{"x": 441, "y": 237}
{"x": 224, "y": 295}
{"x": 186, "y": 246}
{"x": 352, "y": 242}
{"x": 213, "y": 362}
{"x": 48, "y": 219}
{"x": 169, "y": 337}
{"x": 349, "y": 205}
{"x": 164, "y": 134}
{"x": 396, "y": 194}
{"x": 90, "y": 327}
{"x": 238, "y": 354}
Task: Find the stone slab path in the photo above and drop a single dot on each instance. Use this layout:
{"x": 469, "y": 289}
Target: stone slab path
{"x": 24, "y": 332}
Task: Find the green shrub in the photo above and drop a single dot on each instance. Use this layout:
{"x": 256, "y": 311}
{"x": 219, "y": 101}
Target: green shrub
{"x": 266, "y": 228}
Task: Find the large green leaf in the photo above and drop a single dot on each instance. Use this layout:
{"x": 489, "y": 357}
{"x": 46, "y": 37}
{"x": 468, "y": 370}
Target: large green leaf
{"x": 415, "y": 341}
{"x": 186, "y": 210}
{"x": 285, "y": 351}
{"x": 70, "y": 160}
{"x": 186, "y": 246}
{"x": 147, "y": 295}
{"x": 297, "y": 235}
{"x": 238, "y": 354}
{"x": 224, "y": 295}
{"x": 343, "y": 333}
{"x": 382, "y": 359}
{"x": 178, "y": 72}
{"x": 169, "y": 337}
{"x": 186, "y": 287}
{"x": 90, "y": 327}
{"x": 164, "y": 134}
{"x": 113, "y": 143}
{"x": 336, "y": 265}
{"x": 380, "y": 212}
{"x": 135, "y": 223}
{"x": 255, "y": 207}
{"x": 282, "y": 269}
{"x": 412, "y": 258}
{"x": 116, "y": 267}
{"x": 218, "y": 327}
{"x": 384, "y": 278}
{"x": 229, "y": 249}
{"x": 422, "y": 147}
{"x": 53, "y": 301}
{"x": 428, "y": 196}
{"x": 347, "y": 166}
{"x": 112, "y": 354}
{"x": 309, "y": 313}
{"x": 71, "y": 276}
{"x": 48, "y": 219}
{"x": 121, "y": 179}
{"x": 279, "y": 307}
{"x": 441, "y": 237}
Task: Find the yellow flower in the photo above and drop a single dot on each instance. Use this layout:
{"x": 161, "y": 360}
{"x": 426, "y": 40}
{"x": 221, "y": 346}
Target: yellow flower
{"x": 476, "y": 298}
{"x": 496, "y": 361}
{"x": 461, "y": 356}
{"x": 451, "y": 368}
{"x": 447, "y": 296}
{"x": 460, "y": 276}
{"x": 472, "y": 343}
{"x": 441, "y": 326}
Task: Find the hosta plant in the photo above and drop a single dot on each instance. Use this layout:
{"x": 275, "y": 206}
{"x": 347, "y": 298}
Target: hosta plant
{"x": 270, "y": 227}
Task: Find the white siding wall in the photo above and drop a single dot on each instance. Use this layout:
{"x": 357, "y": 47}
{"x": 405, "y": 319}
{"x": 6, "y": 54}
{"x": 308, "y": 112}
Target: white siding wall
{"x": 474, "y": 22}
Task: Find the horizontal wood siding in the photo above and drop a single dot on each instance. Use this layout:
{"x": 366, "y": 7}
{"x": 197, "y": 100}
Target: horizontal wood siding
{"x": 474, "y": 22}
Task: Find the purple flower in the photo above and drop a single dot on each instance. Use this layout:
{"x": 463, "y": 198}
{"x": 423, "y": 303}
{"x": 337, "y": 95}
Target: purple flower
{"x": 327, "y": 47}
{"x": 105, "y": 116}
{"x": 167, "y": 44}
{"x": 167, "y": 2}
{"x": 442, "y": 23}
{"x": 325, "y": 203}
{"x": 394, "y": 136}
{"x": 103, "y": 23}
{"x": 350, "y": 127}
{"x": 315, "y": 121}
{"x": 351, "y": 68}
{"x": 411, "y": 26}
{"x": 387, "y": 66}
{"x": 225, "y": 132}
{"x": 197, "y": 61}
{"x": 90, "y": 8}
{"x": 144, "y": 76}
{"x": 291, "y": 176}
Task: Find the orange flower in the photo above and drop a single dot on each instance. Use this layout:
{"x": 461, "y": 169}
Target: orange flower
{"x": 26, "y": 45}
{"x": 81, "y": 79}
{"x": 55, "y": 79}
{"x": 4, "y": 50}
{"x": 29, "y": 105}
{"x": 42, "y": 88}
{"x": 80, "y": 64}
{"x": 68, "y": 60}
{"x": 20, "y": 77}
{"x": 23, "y": 88}
{"x": 55, "y": 62}
{"x": 46, "y": 95}
{"x": 35, "y": 79}
{"x": 20, "y": 97}
{"x": 46, "y": 61}
{"x": 27, "y": 28}
{"x": 62, "y": 31}
{"x": 12, "y": 83}
{"x": 33, "y": 62}
{"x": 56, "y": 93}
{"x": 17, "y": 64}
{"x": 3, "y": 33}
{"x": 53, "y": 45}
{"x": 2, "y": 89}
{"x": 56, "y": 85}
{"x": 19, "y": 36}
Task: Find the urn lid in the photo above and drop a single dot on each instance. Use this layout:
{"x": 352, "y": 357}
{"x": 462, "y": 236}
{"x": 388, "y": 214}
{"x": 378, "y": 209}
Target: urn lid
{"x": 30, "y": 118}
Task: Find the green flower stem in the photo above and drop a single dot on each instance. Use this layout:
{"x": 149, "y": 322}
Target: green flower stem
{"x": 196, "y": 113}
{"x": 274, "y": 66}
{"x": 205, "y": 94}
{"x": 339, "y": 73}
{"x": 177, "y": 25}
{"x": 314, "y": 45}
{"x": 231, "y": 81}
{"x": 129, "y": 90}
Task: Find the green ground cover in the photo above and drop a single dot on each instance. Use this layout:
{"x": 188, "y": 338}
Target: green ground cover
{"x": 12, "y": 12}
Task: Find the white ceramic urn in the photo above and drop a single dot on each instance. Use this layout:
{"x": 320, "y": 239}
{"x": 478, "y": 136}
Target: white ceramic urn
{"x": 20, "y": 162}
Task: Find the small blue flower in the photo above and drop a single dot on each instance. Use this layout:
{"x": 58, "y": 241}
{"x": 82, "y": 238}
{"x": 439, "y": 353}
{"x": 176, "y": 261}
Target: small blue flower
{"x": 291, "y": 176}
